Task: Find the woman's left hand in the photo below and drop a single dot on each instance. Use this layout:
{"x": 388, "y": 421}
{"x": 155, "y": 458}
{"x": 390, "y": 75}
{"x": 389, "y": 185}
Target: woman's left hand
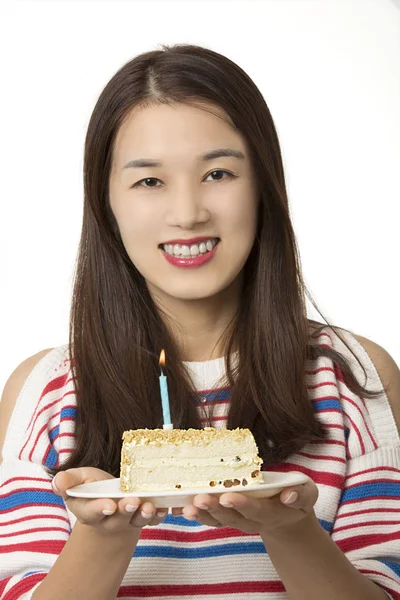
{"x": 254, "y": 515}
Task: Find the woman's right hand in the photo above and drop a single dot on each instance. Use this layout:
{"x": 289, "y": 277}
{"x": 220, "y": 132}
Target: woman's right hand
{"x": 90, "y": 511}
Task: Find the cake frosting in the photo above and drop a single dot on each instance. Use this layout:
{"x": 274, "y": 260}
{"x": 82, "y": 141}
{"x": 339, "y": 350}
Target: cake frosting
{"x": 179, "y": 459}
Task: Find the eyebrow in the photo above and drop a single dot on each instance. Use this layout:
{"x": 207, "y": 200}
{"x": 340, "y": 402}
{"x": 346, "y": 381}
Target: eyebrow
{"x": 217, "y": 153}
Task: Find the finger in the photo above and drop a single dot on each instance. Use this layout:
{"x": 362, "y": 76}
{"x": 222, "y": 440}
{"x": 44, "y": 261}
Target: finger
{"x": 253, "y": 509}
{"x": 160, "y": 516}
{"x": 149, "y": 515}
{"x": 192, "y": 513}
{"x": 64, "y": 480}
{"x": 301, "y": 497}
{"x": 90, "y": 512}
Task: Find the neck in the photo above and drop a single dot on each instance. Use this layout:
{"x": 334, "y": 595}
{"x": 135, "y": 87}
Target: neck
{"x": 200, "y": 326}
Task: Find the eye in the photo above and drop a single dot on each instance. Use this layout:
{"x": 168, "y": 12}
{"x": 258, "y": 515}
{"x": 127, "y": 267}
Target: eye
{"x": 221, "y": 171}
{"x": 147, "y": 179}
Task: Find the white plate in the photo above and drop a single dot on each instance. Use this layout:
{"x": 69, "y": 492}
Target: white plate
{"x": 273, "y": 484}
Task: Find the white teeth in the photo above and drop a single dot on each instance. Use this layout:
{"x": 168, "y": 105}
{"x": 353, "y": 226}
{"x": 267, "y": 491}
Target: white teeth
{"x": 194, "y": 250}
{"x": 209, "y": 245}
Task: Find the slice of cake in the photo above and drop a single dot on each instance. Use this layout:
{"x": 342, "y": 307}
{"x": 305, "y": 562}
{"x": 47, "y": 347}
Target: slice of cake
{"x": 179, "y": 459}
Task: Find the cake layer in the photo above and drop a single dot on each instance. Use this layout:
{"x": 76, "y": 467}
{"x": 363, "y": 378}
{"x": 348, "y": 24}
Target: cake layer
{"x": 169, "y": 478}
{"x": 158, "y": 459}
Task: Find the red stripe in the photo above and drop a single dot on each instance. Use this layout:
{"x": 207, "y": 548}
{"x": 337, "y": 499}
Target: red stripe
{"x": 210, "y": 589}
{"x": 3, "y": 584}
{"x": 24, "y": 489}
{"x": 380, "y": 480}
{"x": 322, "y": 384}
{"x": 315, "y": 371}
{"x": 53, "y": 385}
{"x": 24, "y": 585}
{"x": 42, "y": 546}
{"x": 34, "y": 530}
{"x": 369, "y": 499}
{"x": 213, "y": 390}
{"x": 363, "y": 541}
{"x": 366, "y": 524}
{"x": 171, "y": 535}
{"x": 24, "y": 479}
{"x": 366, "y": 511}
{"x": 361, "y": 441}
{"x": 51, "y": 404}
{"x": 44, "y": 427}
{"x": 372, "y": 470}
{"x": 338, "y": 442}
{"x": 389, "y": 590}
{"x": 323, "y": 457}
{"x": 30, "y": 517}
{"x": 331, "y": 479}
{"x": 363, "y": 418}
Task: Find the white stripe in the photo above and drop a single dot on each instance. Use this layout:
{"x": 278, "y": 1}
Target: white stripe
{"x": 202, "y": 544}
{"x": 194, "y": 571}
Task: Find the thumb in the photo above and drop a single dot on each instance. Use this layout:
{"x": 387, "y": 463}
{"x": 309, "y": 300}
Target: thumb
{"x": 64, "y": 480}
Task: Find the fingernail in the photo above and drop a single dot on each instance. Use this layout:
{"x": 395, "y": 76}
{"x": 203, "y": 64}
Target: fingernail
{"x": 291, "y": 498}
{"x": 146, "y": 515}
{"x": 203, "y": 506}
{"x": 108, "y": 512}
{"x": 53, "y": 484}
{"x": 226, "y": 504}
{"x": 162, "y": 513}
{"x": 130, "y": 508}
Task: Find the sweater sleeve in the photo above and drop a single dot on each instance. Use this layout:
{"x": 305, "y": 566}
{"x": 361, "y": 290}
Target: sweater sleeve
{"x": 367, "y": 524}
{"x": 34, "y": 522}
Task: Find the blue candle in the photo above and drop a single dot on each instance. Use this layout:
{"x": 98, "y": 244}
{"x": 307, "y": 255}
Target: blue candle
{"x": 164, "y": 392}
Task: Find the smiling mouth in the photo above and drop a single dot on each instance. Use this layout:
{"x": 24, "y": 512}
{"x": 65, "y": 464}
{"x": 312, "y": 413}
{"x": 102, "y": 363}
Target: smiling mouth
{"x": 192, "y": 250}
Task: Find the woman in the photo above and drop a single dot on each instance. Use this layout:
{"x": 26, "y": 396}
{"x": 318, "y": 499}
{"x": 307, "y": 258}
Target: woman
{"x": 182, "y": 146}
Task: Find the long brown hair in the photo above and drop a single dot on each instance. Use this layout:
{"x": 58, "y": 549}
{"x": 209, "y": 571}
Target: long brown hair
{"x": 116, "y": 331}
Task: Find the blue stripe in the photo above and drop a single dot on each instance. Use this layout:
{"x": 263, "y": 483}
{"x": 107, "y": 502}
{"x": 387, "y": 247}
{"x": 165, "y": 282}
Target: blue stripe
{"x": 68, "y": 412}
{"x": 326, "y": 525}
{"x": 54, "y": 433}
{"x": 203, "y": 552}
{"x": 51, "y": 459}
{"x": 394, "y": 566}
{"x": 366, "y": 490}
{"x": 32, "y": 573}
{"x": 214, "y": 395}
{"x": 327, "y": 403}
{"x": 181, "y": 521}
{"x": 19, "y": 499}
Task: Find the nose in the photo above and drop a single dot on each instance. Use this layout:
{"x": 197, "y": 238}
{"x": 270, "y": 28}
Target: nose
{"x": 185, "y": 209}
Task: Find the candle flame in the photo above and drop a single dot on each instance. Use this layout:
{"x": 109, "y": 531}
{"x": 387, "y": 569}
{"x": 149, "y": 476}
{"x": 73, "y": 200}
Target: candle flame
{"x": 161, "y": 362}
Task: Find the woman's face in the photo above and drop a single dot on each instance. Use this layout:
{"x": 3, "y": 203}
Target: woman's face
{"x": 183, "y": 197}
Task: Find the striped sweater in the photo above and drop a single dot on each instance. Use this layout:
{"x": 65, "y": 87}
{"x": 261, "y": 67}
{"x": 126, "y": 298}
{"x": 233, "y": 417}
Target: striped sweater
{"x": 357, "y": 471}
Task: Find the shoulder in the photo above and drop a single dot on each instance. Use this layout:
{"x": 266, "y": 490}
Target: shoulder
{"x": 29, "y": 377}
{"x": 381, "y": 368}
{"x": 388, "y": 371}
{"x": 13, "y": 388}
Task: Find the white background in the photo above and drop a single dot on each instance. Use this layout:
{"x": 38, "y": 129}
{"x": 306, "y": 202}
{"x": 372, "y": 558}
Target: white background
{"x": 329, "y": 71}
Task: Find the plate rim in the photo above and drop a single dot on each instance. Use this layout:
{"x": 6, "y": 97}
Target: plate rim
{"x": 192, "y": 491}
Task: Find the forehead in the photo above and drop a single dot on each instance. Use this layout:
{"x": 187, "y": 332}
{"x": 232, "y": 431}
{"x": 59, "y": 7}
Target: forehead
{"x": 160, "y": 130}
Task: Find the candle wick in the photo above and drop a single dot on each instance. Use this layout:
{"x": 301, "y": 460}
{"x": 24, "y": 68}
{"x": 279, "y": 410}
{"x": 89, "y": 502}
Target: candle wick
{"x": 162, "y": 372}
